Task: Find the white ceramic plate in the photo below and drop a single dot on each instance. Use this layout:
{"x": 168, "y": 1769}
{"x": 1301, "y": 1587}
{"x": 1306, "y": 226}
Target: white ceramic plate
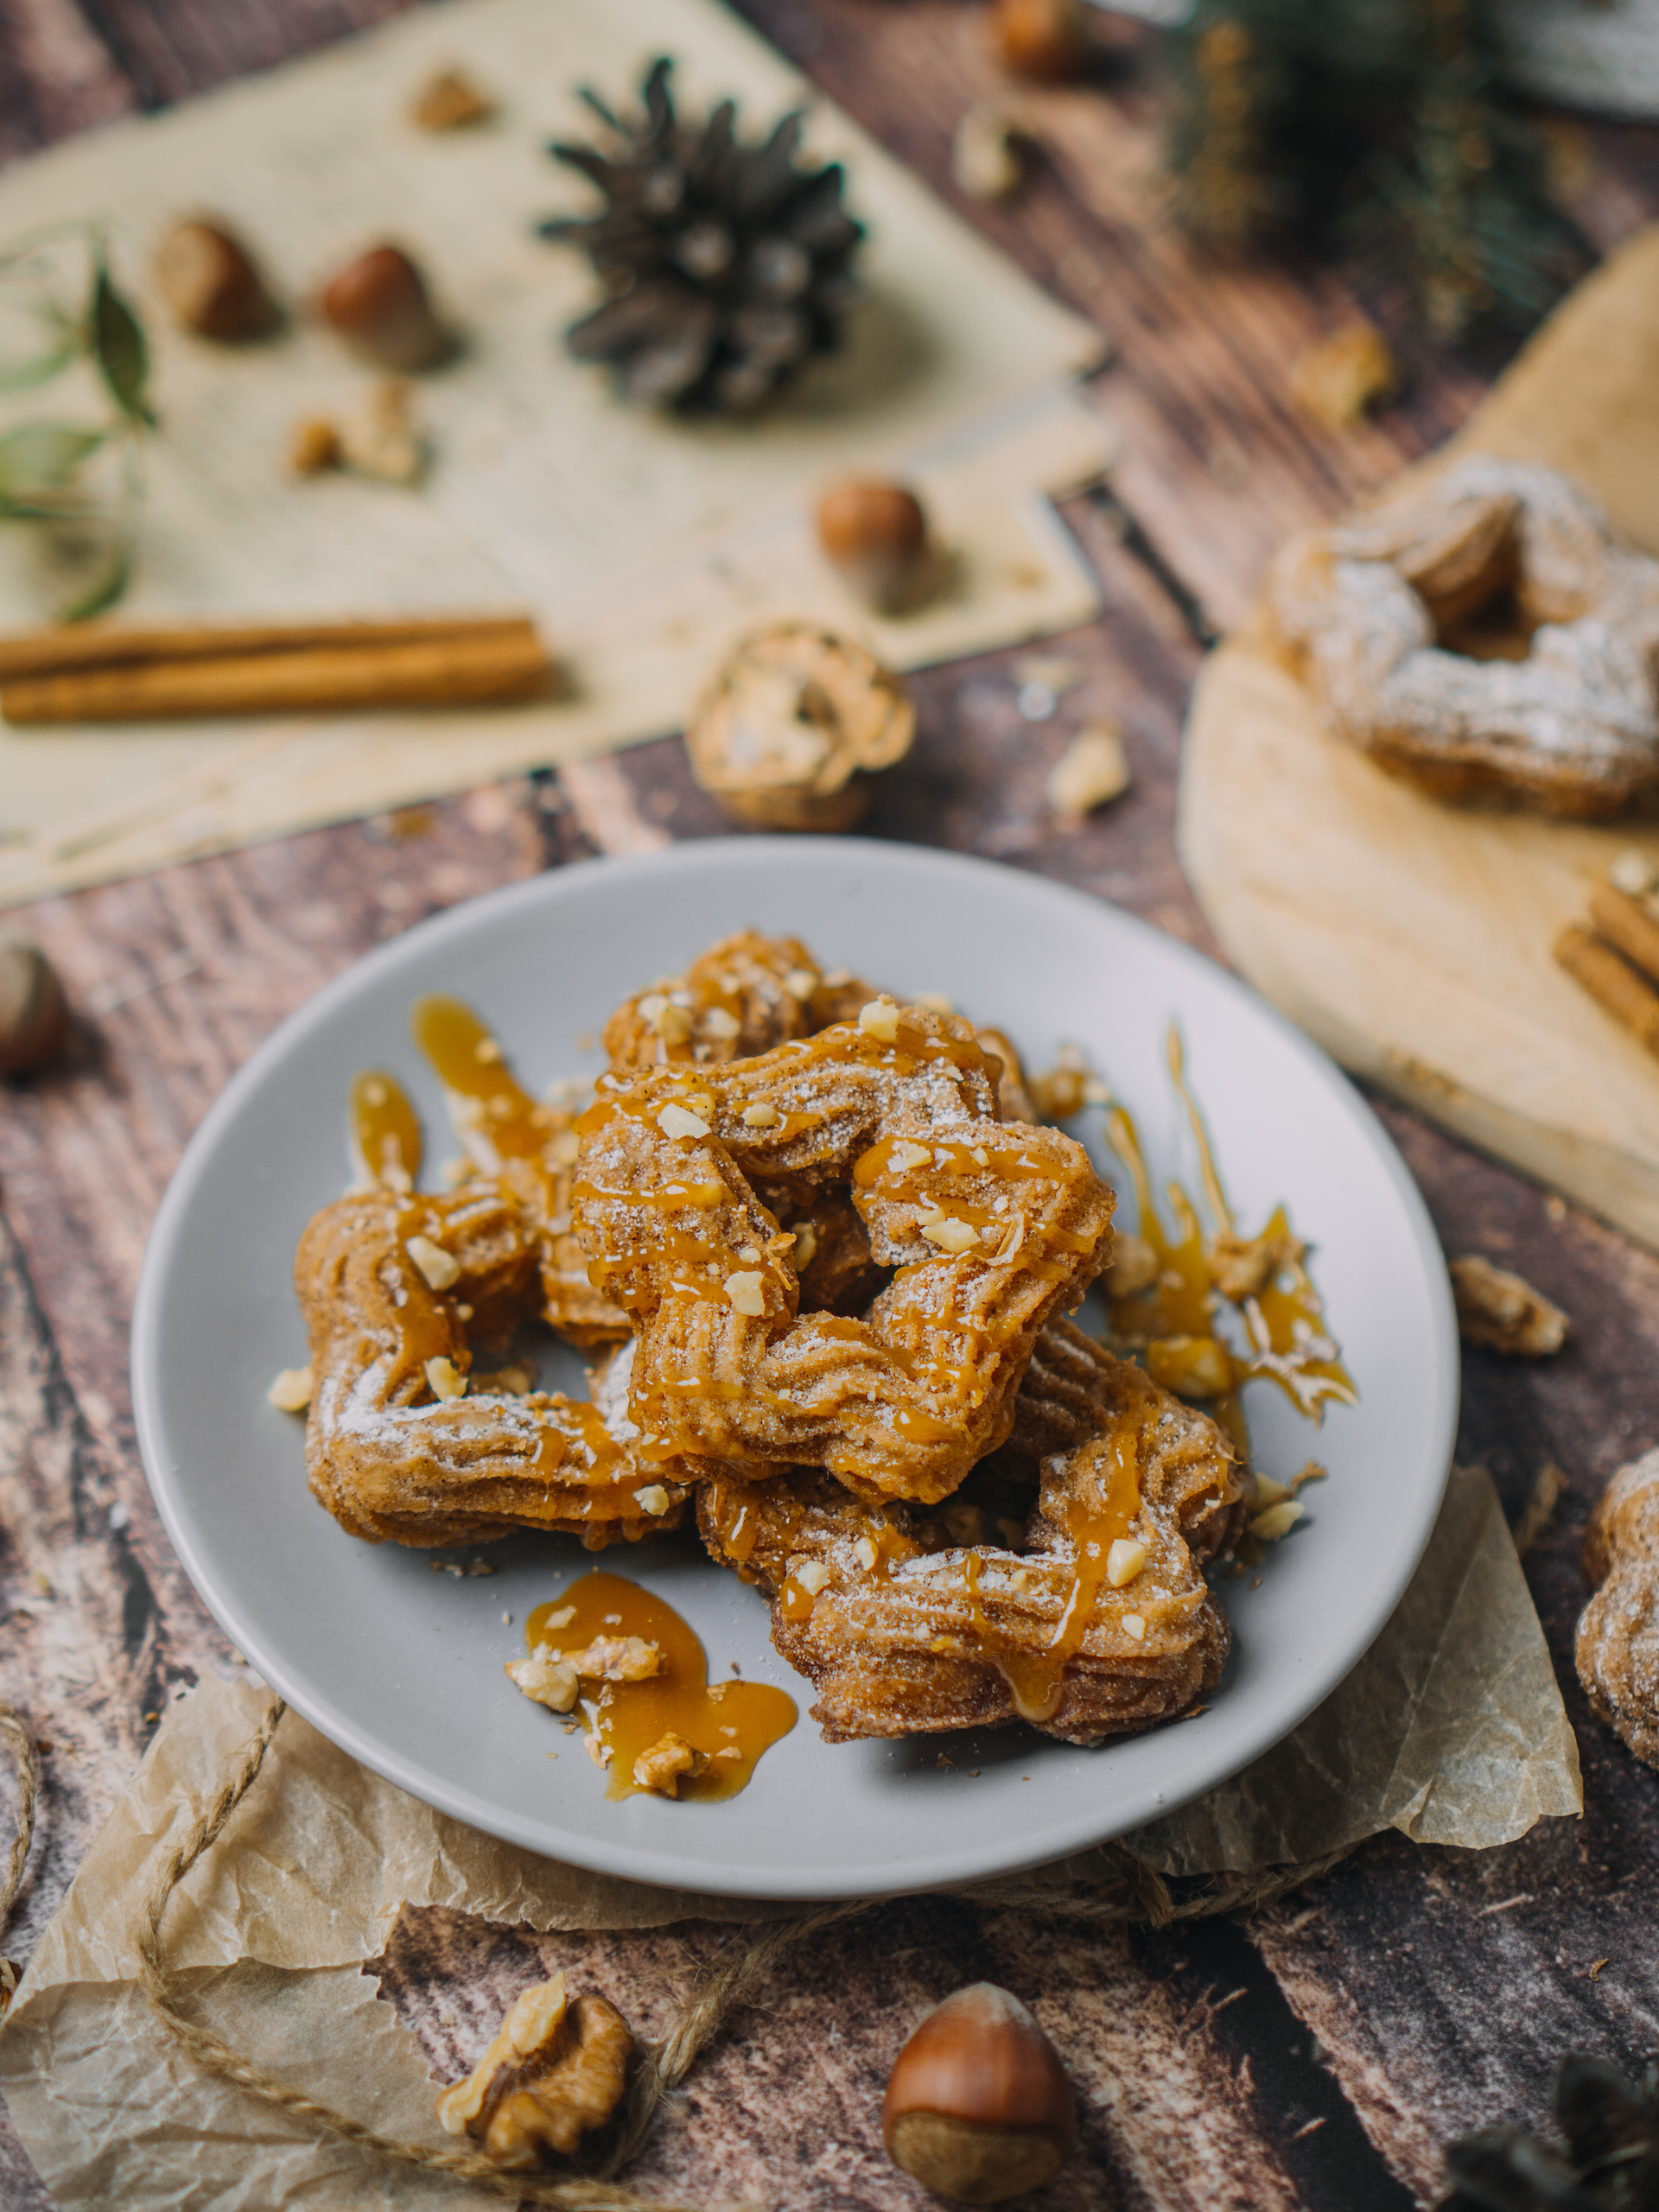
{"x": 401, "y": 1666}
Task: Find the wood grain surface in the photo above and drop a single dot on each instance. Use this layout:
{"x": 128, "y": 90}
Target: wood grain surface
{"x": 1315, "y": 2055}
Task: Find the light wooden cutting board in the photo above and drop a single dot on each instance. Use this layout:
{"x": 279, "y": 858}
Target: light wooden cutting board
{"x": 1413, "y": 938}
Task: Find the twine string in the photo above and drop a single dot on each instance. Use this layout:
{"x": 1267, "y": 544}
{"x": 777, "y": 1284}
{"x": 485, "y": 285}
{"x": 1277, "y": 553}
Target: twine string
{"x": 20, "y": 1741}
{"x": 1133, "y": 1893}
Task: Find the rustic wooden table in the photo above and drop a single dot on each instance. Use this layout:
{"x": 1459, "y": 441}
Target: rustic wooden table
{"x": 1316, "y": 2054}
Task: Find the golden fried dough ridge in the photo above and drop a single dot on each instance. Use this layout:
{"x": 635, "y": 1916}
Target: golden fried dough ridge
{"x": 388, "y": 1451}
{"x": 742, "y": 997}
{"x": 902, "y": 1632}
{"x": 991, "y": 1227}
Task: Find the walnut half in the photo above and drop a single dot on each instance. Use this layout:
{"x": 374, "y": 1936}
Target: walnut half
{"x": 555, "y": 2069}
{"x": 794, "y": 727}
{"x": 1503, "y": 1311}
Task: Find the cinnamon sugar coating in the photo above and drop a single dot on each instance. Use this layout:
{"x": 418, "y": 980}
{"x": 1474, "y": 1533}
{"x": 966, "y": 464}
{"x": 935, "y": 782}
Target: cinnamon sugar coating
{"x": 1102, "y": 1623}
{"x": 396, "y": 1445}
{"x": 1379, "y": 611}
{"x": 992, "y": 1227}
{"x": 1618, "y": 1644}
{"x": 745, "y": 995}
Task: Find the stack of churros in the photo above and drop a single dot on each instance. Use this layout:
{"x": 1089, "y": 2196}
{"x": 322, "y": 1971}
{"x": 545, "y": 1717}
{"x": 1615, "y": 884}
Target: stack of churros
{"x": 823, "y": 1253}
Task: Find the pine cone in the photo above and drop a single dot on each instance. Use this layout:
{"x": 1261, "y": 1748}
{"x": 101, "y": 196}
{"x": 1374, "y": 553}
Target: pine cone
{"x": 1612, "y": 2160}
{"x": 726, "y": 265}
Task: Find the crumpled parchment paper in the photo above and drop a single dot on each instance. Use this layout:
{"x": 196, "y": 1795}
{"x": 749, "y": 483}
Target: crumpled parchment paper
{"x": 1451, "y": 1730}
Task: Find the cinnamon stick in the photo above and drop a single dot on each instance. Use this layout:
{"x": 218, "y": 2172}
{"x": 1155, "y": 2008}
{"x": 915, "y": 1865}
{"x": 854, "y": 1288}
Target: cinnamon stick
{"x": 1628, "y": 923}
{"x": 1612, "y": 983}
{"x": 453, "y": 671}
{"x": 101, "y": 645}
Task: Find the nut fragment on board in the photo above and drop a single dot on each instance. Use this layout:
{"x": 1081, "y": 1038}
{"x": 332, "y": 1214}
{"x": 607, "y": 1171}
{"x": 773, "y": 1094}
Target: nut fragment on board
{"x": 1503, "y": 1312}
{"x": 380, "y": 440}
{"x": 450, "y": 100}
{"x": 1339, "y": 379}
{"x": 986, "y": 160}
{"x": 1093, "y": 769}
{"x": 795, "y": 726}
{"x": 556, "y": 2070}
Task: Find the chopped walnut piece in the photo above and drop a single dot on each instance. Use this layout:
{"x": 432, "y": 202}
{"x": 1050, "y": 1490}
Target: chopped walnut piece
{"x": 1242, "y": 1267}
{"x": 1093, "y": 769}
{"x": 617, "y": 1659}
{"x": 1503, "y": 1311}
{"x": 446, "y": 1378}
{"x": 291, "y": 1393}
{"x": 440, "y": 1268}
{"x": 549, "y": 1682}
{"x": 1339, "y": 379}
{"x": 669, "y": 1758}
{"x": 555, "y": 2070}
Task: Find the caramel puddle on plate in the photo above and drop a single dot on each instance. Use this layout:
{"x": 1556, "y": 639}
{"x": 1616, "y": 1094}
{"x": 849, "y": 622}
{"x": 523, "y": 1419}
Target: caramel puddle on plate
{"x": 734, "y": 1722}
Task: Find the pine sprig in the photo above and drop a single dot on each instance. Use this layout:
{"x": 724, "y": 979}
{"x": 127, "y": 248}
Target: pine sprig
{"x": 1610, "y": 2163}
{"x": 1375, "y": 126}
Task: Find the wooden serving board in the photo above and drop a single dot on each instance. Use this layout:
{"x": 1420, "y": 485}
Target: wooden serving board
{"x": 1413, "y": 938}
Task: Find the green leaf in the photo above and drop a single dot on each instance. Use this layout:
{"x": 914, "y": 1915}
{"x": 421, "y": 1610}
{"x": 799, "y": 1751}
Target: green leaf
{"x": 105, "y": 590}
{"x": 119, "y": 344}
{"x": 39, "y": 457}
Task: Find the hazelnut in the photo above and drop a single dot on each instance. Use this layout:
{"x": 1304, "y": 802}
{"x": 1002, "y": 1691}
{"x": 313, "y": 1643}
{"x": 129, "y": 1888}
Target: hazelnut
{"x": 1047, "y": 39}
{"x": 34, "y": 1011}
{"x": 378, "y": 304}
{"x": 208, "y": 278}
{"x": 875, "y": 534}
{"x": 978, "y": 2106}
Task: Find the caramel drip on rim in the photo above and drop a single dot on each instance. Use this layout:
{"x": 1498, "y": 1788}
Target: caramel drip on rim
{"x": 1174, "y": 1320}
{"x": 732, "y": 1723}
{"x": 496, "y": 1117}
{"x": 384, "y": 1130}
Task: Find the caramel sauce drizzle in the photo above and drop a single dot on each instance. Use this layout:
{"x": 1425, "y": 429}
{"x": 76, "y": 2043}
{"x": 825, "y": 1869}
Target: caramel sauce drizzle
{"x": 1174, "y": 1320}
{"x": 1093, "y": 1522}
{"x": 495, "y": 1117}
{"x": 384, "y": 1131}
{"x": 733, "y": 1722}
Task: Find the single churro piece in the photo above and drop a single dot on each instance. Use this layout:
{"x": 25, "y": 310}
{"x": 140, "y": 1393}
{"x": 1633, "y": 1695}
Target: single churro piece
{"x": 1101, "y": 1622}
{"x": 991, "y": 1226}
{"x": 396, "y": 1444}
{"x": 1390, "y": 617}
